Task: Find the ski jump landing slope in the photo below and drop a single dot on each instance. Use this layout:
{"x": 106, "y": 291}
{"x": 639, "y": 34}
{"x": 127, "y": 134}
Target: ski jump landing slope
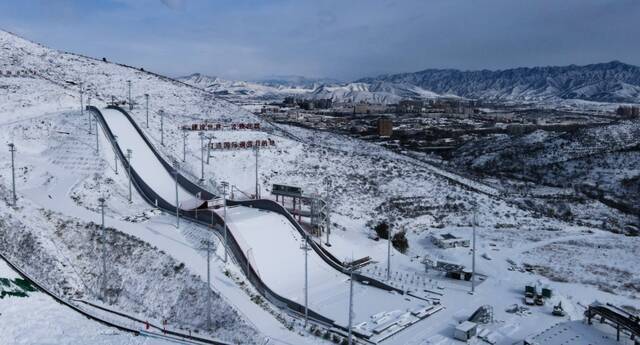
{"x": 143, "y": 159}
{"x": 265, "y": 239}
{"x": 275, "y": 249}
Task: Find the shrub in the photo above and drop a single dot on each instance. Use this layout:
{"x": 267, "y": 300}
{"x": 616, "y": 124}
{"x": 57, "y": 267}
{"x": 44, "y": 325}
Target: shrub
{"x": 382, "y": 230}
{"x": 400, "y": 241}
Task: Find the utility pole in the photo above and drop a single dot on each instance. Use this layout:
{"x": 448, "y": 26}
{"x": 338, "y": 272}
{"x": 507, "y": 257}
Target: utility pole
{"x": 351, "y": 303}
{"x": 201, "y": 134}
{"x": 225, "y": 184}
{"x": 257, "y": 186}
{"x": 97, "y": 142}
{"x": 185, "y": 135}
{"x": 146, "y": 98}
{"x": 130, "y": 100}
{"x": 103, "y": 286}
{"x": 81, "y": 100}
{"x": 389, "y": 237}
{"x": 306, "y": 249}
{"x": 175, "y": 173}
{"x": 473, "y": 258}
{"x": 248, "y": 266}
{"x": 328, "y": 182}
{"x": 161, "y": 127}
{"x": 129, "y": 152}
{"x": 209, "y": 149}
{"x": 115, "y": 154}
{"x": 208, "y": 243}
{"x": 12, "y": 149}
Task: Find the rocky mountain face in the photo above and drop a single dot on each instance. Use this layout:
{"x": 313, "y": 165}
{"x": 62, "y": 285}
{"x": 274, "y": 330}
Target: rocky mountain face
{"x": 604, "y": 82}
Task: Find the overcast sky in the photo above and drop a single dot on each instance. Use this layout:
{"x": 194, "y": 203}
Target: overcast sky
{"x": 344, "y": 39}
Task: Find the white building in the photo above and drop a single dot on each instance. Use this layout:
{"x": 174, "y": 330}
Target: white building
{"x": 465, "y": 331}
{"x": 449, "y": 241}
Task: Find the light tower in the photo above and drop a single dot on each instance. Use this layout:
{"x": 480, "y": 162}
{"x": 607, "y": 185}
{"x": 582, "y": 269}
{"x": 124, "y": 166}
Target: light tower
{"x": 305, "y": 247}
{"x": 473, "y": 258}
{"x": 175, "y": 174}
{"x": 115, "y": 153}
{"x": 201, "y": 135}
{"x": 208, "y": 244}
{"x": 146, "y": 99}
{"x": 257, "y": 148}
{"x": 185, "y": 135}
{"x": 12, "y": 149}
{"x": 103, "y": 285}
{"x": 130, "y": 100}
{"x": 225, "y": 184}
{"x": 129, "y": 152}
{"x": 161, "y": 127}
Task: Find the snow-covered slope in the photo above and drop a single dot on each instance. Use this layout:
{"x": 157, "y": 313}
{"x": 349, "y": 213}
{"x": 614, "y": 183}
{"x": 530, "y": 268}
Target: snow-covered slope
{"x": 242, "y": 89}
{"x": 604, "y": 82}
{"x": 60, "y": 177}
{"x": 376, "y": 93}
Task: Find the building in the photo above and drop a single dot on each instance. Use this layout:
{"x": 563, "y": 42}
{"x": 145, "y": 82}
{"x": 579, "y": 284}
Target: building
{"x": 465, "y": 331}
{"x": 449, "y": 241}
{"x": 628, "y": 111}
{"x": 385, "y": 127}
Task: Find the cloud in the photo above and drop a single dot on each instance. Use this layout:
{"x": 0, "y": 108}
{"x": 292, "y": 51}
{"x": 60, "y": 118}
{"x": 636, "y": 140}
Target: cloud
{"x": 174, "y": 4}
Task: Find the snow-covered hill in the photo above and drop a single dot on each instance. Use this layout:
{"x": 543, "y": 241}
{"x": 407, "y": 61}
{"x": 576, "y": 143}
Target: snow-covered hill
{"x": 603, "y": 82}
{"x": 243, "y": 89}
{"x": 158, "y": 271}
{"x": 376, "y": 93}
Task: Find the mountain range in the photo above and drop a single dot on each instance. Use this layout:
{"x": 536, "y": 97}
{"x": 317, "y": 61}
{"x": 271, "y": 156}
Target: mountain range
{"x": 603, "y": 82}
{"x": 612, "y": 82}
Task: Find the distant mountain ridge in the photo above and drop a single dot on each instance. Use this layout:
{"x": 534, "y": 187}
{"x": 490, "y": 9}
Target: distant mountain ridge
{"x": 603, "y": 82}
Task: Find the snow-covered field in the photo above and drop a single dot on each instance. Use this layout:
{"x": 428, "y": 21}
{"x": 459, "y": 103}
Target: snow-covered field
{"x": 39, "y": 319}
{"x": 60, "y": 177}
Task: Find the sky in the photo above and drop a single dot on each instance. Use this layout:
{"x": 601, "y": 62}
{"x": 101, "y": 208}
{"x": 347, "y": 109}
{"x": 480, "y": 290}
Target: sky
{"x": 341, "y": 39}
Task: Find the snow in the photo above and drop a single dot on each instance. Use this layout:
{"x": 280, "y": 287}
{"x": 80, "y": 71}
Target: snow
{"x": 143, "y": 160}
{"x": 38, "y": 319}
{"x": 61, "y": 173}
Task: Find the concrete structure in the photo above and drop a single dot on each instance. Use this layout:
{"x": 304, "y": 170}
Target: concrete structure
{"x": 465, "y": 331}
{"x": 449, "y": 241}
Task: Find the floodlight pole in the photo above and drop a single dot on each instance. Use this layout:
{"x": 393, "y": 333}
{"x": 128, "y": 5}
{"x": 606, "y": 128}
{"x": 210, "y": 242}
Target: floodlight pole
{"x": 224, "y": 217}
{"x": 115, "y": 154}
{"x": 130, "y": 101}
{"x": 257, "y": 186}
{"x": 161, "y": 127}
{"x": 146, "y": 98}
{"x": 103, "y": 286}
{"x": 129, "y": 152}
{"x": 175, "y": 173}
{"x": 184, "y": 145}
{"x": 12, "y": 149}
{"x": 350, "y": 304}
{"x": 327, "y": 181}
{"x": 306, "y": 249}
{"x": 97, "y": 142}
{"x": 81, "y": 100}
{"x": 473, "y": 259}
{"x": 208, "y": 243}
{"x": 201, "y": 134}
{"x": 208, "y": 150}
{"x": 389, "y": 253}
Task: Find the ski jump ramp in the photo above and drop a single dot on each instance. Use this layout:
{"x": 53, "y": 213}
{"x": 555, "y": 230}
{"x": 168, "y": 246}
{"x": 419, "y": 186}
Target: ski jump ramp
{"x": 265, "y": 240}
